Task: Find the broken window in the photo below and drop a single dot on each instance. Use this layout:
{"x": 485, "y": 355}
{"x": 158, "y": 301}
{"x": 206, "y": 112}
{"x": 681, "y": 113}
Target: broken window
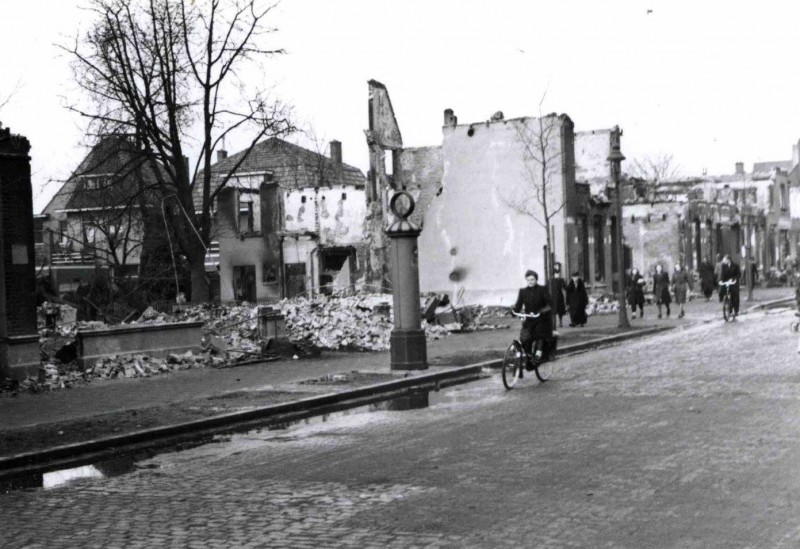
{"x": 269, "y": 274}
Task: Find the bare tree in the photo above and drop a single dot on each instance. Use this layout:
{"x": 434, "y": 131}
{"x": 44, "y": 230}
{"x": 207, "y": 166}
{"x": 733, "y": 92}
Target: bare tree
{"x": 655, "y": 169}
{"x": 541, "y": 197}
{"x": 164, "y": 70}
{"x": 6, "y": 99}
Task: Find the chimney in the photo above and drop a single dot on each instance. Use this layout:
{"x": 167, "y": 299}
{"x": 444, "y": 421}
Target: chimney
{"x": 222, "y": 154}
{"x": 336, "y": 153}
{"x": 739, "y": 168}
{"x": 795, "y": 154}
{"x": 450, "y": 119}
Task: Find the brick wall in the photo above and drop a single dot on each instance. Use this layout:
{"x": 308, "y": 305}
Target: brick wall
{"x": 16, "y": 234}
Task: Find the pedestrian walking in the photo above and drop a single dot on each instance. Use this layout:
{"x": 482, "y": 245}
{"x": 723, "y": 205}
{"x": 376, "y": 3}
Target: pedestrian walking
{"x": 559, "y": 287}
{"x": 680, "y": 287}
{"x": 661, "y": 289}
{"x": 707, "y": 282}
{"x": 636, "y": 284}
{"x": 577, "y": 300}
{"x": 730, "y": 272}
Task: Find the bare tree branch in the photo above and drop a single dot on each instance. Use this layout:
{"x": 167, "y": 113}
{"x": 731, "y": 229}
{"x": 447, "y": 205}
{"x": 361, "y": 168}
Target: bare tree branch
{"x": 164, "y": 71}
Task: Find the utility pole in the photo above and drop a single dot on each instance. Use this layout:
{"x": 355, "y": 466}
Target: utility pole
{"x": 746, "y": 229}
{"x": 615, "y": 158}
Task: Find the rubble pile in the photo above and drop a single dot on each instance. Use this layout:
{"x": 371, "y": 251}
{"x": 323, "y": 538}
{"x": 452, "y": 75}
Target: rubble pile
{"x": 602, "y": 305}
{"x": 358, "y": 322}
{"x": 54, "y": 376}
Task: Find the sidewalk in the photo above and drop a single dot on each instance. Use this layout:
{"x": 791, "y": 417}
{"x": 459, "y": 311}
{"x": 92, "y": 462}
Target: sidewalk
{"x": 32, "y": 421}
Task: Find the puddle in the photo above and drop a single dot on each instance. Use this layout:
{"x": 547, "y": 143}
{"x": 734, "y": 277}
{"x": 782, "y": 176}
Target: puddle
{"x": 54, "y": 479}
{"x": 310, "y": 429}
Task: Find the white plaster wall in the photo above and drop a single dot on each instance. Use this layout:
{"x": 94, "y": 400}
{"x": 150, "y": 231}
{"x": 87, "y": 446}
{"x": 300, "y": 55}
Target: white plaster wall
{"x": 470, "y": 228}
{"x": 591, "y": 155}
{"x": 341, "y": 220}
{"x": 342, "y": 212}
{"x": 299, "y": 215}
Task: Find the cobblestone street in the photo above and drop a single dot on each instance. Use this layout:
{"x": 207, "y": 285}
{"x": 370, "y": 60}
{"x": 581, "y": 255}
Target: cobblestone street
{"x": 687, "y": 439}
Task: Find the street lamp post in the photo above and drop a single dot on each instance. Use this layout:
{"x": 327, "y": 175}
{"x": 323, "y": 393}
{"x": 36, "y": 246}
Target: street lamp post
{"x": 615, "y": 158}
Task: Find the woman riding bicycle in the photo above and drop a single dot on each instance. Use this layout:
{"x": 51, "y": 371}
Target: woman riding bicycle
{"x": 534, "y": 299}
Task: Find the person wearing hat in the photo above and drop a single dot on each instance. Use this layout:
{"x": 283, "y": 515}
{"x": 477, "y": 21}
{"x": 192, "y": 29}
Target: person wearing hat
{"x": 535, "y": 299}
{"x": 577, "y": 300}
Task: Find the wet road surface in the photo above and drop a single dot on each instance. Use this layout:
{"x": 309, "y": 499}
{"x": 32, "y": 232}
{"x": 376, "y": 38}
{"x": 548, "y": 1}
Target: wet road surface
{"x": 689, "y": 439}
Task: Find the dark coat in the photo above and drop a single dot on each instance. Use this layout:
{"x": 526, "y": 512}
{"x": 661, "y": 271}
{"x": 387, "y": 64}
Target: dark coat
{"x": 533, "y": 300}
{"x": 661, "y": 288}
{"x": 559, "y": 286}
{"x": 681, "y": 284}
{"x": 577, "y": 300}
{"x": 707, "y": 282}
{"x": 636, "y": 290}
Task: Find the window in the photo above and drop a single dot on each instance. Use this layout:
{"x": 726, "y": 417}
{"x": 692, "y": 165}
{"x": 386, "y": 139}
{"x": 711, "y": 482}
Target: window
{"x": 599, "y": 250}
{"x": 94, "y": 182}
{"x": 246, "y": 217}
{"x": 248, "y": 212}
{"x": 269, "y": 274}
{"x": 63, "y": 229}
{"x": 88, "y": 230}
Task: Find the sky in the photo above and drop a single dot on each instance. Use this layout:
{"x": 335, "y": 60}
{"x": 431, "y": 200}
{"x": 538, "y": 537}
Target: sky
{"x": 710, "y": 83}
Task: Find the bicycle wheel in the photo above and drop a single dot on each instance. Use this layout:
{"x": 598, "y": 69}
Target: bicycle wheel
{"x": 544, "y": 370}
{"x": 512, "y": 364}
{"x": 727, "y": 309}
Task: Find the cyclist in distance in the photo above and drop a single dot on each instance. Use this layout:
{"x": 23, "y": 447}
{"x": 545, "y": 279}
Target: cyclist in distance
{"x": 730, "y": 272}
{"x": 534, "y": 299}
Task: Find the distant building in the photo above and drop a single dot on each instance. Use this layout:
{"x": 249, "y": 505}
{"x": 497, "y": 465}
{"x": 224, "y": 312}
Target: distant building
{"x": 290, "y": 222}
{"x": 688, "y": 219}
{"x": 94, "y": 222}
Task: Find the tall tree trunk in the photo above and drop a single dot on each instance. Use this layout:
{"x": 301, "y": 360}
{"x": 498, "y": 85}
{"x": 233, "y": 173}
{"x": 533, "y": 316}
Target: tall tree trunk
{"x": 197, "y": 265}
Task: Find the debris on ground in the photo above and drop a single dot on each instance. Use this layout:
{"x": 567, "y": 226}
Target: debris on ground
{"x": 602, "y": 305}
{"x": 353, "y": 323}
{"x": 231, "y": 336}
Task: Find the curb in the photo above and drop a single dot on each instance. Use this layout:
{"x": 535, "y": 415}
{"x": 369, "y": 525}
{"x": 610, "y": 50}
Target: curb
{"x": 81, "y": 453}
{"x": 785, "y": 301}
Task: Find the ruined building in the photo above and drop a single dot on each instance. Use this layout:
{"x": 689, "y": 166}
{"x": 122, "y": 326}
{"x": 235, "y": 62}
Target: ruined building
{"x": 290, "y": 222}
{"x": 486, "y": 193}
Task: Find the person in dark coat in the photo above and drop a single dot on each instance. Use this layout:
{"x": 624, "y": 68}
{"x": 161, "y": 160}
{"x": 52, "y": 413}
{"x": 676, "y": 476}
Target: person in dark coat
{"x": 730, "y": 272}
{"x": 636, "y": 284}
{"x": 577, "y": 300}
{"x": 706, "y": 272}
{"x": 559, "y": 287}
{"x": 661, "y": 289}
{"x": 534, "y": 299}
{"x": 681, "y": 284}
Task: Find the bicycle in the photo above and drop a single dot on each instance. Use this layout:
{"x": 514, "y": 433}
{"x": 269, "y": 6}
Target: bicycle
{"x": 727, "y": 305}
{"x": 517, "y": 358}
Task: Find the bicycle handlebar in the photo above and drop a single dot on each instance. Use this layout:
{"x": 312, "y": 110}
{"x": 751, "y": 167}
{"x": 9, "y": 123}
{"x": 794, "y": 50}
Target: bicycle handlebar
{"x": 526, "y": 315}
{"x": 729, "y": 283}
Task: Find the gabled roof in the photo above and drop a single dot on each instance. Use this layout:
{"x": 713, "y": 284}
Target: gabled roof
{"x": 113, "y": 158}
{"x": 291, "y": 166}
{"x": 766, "y": 167}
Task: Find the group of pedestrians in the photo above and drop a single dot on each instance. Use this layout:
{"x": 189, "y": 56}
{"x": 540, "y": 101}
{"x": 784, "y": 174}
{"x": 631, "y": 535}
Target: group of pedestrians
{"x": 680, "y": 284}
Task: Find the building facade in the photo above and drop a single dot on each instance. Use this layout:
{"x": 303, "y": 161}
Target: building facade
{"x": 290, "y": 222}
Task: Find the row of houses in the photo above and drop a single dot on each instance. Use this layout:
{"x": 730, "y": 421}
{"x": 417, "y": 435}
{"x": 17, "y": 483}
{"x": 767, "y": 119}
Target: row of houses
{"x": 490, "y": 197}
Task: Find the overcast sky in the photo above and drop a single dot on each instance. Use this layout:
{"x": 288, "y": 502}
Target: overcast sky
{"x": 710, "y": 82}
